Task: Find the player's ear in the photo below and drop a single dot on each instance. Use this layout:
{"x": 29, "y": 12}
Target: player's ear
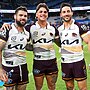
{"x": 14, "y": 16}
{"x": 36, "y": 15}
{"x": 60, "y": 15}
{"x": 72, "y": 13}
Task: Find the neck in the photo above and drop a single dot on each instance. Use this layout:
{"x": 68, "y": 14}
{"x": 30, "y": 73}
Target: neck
{"x": 19, "y": 28}
{"x": 68, "y": 24}
{"x": 42, "y": 24}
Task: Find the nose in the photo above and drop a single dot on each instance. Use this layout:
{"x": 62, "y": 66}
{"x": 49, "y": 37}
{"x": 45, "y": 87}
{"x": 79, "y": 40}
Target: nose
{"x": 67, "y": 13}
{"x": 24, "y": 17}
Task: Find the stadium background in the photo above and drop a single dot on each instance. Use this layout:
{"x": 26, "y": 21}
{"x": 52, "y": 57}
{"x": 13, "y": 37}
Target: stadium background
{"x": 81, "y": 14}
{"x": 81, "y": 10}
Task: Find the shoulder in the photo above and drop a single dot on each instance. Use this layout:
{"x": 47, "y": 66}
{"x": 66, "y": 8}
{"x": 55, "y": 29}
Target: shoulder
{"x": 33, "y": 26}
{"x": 81, "y": 26}
{"x": 28, "y": 27}
{"x": 51, "y": 27}
{"x": 61, "y": 27}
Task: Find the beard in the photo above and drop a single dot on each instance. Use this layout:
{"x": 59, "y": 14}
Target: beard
{"x": 20, "y": 24}
{"x": 67, "y": 20}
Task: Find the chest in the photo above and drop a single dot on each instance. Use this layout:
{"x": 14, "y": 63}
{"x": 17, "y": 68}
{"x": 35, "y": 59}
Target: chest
{"x": 42, "y": 33}
{"x": 69, "y": 34}
{"x": 17, "y": 38}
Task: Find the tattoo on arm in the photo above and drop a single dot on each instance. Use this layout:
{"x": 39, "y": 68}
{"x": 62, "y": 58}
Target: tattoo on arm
{"x": 2, "y": 45}
{"x": 54, "y": 78}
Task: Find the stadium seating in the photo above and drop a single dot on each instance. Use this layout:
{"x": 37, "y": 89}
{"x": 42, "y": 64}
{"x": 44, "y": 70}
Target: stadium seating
{"x": 12, "y": 4}
{"x": 52, "y": 4}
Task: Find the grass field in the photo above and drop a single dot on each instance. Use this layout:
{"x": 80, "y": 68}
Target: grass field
{"x": 60, "y": 83}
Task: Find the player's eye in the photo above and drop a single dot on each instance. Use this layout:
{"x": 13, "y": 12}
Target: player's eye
{"x": 42, "y": 11}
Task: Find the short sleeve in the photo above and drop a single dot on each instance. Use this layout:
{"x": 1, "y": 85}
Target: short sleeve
{"x": 82, "y": 29}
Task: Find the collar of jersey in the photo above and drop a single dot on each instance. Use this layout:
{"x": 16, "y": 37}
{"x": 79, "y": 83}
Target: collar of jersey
{"x": 71, "y": 27}
{"x": 38, "y": 26}
{"x": 15, "y": 30}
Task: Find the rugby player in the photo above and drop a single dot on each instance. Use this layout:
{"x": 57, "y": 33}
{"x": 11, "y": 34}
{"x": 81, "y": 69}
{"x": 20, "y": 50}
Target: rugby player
{"x": 72, "y": 58}
{"x": 43, "y": 36}
{"x": 13, "y": 66}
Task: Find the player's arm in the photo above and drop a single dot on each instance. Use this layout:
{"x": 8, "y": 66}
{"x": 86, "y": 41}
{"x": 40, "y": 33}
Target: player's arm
{"x": 3, "y": 40}
{"x": 57, "y": 41}
{"x": 6, "y": 26}
{"x": 29, "y": 45}
{"x": 57, "y": 38}
{"x": 85, "y": 34}
{"x": 86, "y": 39}
{"x": 3, "y": 75}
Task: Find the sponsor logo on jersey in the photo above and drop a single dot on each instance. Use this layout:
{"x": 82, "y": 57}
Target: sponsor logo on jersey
{"x": 42, "y": 40}
{"x": 67, "y": 42}
{"x": 18, "y": 46}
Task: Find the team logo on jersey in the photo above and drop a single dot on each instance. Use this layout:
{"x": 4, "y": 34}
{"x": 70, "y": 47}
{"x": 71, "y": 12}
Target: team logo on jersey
{"x": 35, "y": 34}
{"x": 60, "y": 34}
{"x": 63, "y": 74}
{"x": 84, "y": 27}
{"x": 66, "y": 34}
{"x": 43, "y": 34}
{"x": 74, "y": 34}
{"x": 13, "y": 38}
{"x": 36, "y": 71}
{"x": 51, "y": 34}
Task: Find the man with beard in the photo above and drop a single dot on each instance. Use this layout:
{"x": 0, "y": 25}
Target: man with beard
{"x": 72, "y": 58}
{"x": 43, "y": 36}
{"x": 13, "y": 66}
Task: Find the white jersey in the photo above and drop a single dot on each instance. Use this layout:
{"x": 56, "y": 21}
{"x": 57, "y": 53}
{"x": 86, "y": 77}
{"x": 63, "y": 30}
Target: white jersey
{"x": 71, "y": 42}
{"x": 42, "y": 39}
{"x": 14, "y": 52}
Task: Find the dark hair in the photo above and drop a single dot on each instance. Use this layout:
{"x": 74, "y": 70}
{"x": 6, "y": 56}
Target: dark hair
{"x": 23, "y": 8}
{"x": 42, "y": 5}
{"x": 65, "y": 4}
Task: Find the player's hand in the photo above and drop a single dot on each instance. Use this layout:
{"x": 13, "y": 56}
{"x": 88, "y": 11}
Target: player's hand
{"x": 6, "y": 26}
{"x": 3, "y": 75}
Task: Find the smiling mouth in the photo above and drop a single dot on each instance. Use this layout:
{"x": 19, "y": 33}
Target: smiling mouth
{"x": 67, "y": 17}
{"x": 22, "y": 21}
{"x": 42, "y": 16}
